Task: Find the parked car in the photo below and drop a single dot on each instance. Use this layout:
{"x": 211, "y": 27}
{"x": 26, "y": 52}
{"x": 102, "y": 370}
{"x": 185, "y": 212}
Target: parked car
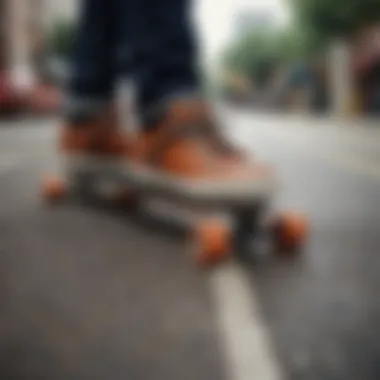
{"x": 40, "y": 98}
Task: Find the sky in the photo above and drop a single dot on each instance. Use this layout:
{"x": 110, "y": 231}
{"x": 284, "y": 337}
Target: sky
{"x": 215, "y": 20}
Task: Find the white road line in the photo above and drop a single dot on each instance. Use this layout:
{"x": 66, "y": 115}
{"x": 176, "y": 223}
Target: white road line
{"x": 249, "y": 354}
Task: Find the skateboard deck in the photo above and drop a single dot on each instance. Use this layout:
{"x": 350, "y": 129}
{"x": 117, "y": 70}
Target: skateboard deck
{"x": 218, "y": 226}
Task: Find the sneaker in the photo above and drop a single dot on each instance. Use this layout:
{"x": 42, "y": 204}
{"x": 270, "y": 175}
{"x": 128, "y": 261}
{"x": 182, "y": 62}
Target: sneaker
{"x": 100, "y": 137}
{"x": 184, "y": 154}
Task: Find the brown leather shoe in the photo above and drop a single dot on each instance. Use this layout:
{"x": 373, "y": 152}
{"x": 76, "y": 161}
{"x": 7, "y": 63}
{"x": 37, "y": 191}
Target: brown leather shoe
{"x": 100, "y": 137}
{"x": 185, "y": 154}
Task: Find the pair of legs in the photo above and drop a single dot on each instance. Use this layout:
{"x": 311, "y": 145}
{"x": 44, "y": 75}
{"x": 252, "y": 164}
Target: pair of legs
{"x": 179, "y": 147}
{"x": 151, "y": 42}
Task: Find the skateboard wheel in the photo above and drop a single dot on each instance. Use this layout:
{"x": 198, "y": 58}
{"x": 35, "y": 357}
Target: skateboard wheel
{"x": 212, "y": 243}
{"x": 290, "y": 232}
{"x": 54, "y": 189}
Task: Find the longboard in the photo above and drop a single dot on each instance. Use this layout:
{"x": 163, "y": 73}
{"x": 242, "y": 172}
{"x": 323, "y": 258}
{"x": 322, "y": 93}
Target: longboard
{"x": 219, "y": 226}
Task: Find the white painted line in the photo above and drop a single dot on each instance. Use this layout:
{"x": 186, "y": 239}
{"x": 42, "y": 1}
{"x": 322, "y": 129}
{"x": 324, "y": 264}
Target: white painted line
{"x": 249, "y": 354}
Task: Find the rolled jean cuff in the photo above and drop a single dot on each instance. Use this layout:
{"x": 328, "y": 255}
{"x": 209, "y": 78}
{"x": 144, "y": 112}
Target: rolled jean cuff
{"x": 150, "y": 114}
{"x": 78, "y": 109}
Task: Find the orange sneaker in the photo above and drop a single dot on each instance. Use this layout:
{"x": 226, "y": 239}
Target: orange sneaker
{"x": 185, "y": 155}
{"x": 93, "y": 150}
{"x": 98, "y": 138}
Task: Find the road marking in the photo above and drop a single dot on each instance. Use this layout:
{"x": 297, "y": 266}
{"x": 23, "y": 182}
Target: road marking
{"x": 248, "y": 350}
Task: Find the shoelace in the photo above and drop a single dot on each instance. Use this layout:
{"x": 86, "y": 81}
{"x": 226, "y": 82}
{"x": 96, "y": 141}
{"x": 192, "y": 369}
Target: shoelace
{"x": 219, "y": 141}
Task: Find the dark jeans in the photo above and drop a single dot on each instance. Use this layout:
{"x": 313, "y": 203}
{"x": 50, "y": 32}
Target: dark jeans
{"x": 151, "y": 41}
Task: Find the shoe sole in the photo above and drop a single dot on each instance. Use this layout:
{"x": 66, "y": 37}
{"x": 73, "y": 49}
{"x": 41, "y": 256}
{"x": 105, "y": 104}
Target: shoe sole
{"x": 148, "y": 180}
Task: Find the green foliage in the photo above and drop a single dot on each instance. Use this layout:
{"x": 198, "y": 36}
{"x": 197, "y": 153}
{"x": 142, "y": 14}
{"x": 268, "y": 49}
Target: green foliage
{"x": 259, "y": 53}
{"x": 339, "y": 18}
{"x": 61, "y": 38}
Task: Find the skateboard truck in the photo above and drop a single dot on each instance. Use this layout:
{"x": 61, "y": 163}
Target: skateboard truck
{"x": 284, "y": 235}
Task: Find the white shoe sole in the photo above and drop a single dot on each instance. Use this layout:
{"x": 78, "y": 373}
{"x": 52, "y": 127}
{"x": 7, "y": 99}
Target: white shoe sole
{"x": 151, "y": 181}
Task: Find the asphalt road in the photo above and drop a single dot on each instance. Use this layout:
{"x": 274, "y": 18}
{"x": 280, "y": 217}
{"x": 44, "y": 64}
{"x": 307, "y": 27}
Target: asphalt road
{"x": 90, "y": 294}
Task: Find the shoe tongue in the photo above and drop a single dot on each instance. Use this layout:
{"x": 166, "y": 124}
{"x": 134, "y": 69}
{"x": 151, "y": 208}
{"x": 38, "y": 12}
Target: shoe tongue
{"x": 196, "y": 117}
{"x": 181, "y": 122}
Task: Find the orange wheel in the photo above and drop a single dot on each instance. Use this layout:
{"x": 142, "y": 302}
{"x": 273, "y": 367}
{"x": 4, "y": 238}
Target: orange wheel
{"x": 213, "y": 242}
{"x": 290, "y": 232}
{"x": 54, "y": 189}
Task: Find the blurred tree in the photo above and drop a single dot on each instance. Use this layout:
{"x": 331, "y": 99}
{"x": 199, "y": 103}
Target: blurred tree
{"x": 325, "y": 19}
{"x": 61, "y": 38}
{"x": 259, "y": 53}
